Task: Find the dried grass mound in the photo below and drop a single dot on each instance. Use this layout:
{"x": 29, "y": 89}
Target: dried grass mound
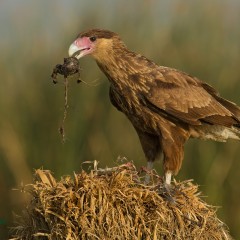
{"x": 115, "y": 204}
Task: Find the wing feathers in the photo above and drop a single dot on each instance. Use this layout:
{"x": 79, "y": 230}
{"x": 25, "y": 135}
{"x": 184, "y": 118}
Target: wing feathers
{"x": 190, "y": 100}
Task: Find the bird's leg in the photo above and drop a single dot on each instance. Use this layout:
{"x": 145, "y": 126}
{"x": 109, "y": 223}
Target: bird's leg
{"x": 151, "y": 148}
{"x": 173, "y": 156}
{"x": 167, "y": 183}
{"x": 168, "y": 176}
{"x": 150, "y": 165}
{"x": 149, "y": 168}
{"x": 168, "y": 187}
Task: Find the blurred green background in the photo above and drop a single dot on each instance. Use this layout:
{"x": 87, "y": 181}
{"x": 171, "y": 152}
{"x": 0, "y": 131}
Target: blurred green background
{"x": 198, "y": 37}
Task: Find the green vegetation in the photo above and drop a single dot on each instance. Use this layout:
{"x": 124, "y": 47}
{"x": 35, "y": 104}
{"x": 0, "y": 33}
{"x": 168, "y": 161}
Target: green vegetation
{"x": 199, "y": 37}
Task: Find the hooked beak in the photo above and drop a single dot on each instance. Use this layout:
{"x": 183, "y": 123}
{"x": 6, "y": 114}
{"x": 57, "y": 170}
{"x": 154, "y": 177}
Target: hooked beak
{"x": 74, "y": 50}
{"x": 79, "y": 48}
{"x": 78, "y": 52}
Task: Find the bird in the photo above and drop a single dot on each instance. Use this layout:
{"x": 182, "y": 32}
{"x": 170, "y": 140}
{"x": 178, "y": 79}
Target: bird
{"x": 166, "y": 106}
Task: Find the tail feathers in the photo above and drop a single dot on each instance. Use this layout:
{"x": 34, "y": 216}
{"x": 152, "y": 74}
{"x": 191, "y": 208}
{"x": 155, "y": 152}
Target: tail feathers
{"x": 217, "y": 132}
{"x": 223, "y": 127}
{"x": 222, "y": 134}
{"x": 233, "y": 133}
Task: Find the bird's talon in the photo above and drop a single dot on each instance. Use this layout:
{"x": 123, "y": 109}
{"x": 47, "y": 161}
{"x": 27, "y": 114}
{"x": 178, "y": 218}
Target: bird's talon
{"x": 167, "y": 191}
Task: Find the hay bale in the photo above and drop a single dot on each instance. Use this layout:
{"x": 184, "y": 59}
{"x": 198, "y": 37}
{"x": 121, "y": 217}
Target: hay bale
{"x": 114, "y": 204}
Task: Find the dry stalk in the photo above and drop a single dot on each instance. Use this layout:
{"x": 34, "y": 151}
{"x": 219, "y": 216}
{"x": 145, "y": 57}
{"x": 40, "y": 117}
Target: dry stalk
{"x": 115, "y": 204}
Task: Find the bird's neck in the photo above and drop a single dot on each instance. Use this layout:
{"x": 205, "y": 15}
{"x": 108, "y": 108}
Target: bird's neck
{"x": 121, "y": 67}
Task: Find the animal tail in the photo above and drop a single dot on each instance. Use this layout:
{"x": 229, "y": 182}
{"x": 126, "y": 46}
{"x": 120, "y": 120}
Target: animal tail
{"x": 233, "y": 133}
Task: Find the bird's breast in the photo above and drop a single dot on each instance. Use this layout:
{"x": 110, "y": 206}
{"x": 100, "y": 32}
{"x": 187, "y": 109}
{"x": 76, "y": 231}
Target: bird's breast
{"x": 123, "y": 99}
{"x": 129, "y": 103}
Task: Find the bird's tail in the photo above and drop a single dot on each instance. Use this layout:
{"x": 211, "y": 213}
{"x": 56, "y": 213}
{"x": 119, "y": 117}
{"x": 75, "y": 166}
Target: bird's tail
{"x": 217, "y": 132}
{"x": 233, "y": 133}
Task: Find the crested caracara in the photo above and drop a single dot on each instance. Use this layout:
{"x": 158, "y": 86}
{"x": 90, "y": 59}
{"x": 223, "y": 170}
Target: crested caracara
{"x": 165, "y": 106}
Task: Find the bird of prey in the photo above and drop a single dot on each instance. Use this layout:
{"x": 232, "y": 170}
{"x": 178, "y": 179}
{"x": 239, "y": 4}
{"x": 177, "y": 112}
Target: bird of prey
{"x": 165, "y": 106}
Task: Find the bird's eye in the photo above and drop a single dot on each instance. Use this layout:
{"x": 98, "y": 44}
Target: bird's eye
{"x": 93, "y": 39}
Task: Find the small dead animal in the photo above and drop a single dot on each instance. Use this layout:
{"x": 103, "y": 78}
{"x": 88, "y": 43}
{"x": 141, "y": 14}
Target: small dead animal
{"x": 69, "y": 67}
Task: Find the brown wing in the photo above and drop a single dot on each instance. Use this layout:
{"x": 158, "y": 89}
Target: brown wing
{"x": 188, "y": 99}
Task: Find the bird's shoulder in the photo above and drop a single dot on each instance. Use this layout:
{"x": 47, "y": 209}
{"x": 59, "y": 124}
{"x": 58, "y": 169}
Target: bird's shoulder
{"x": 156, "y": 75}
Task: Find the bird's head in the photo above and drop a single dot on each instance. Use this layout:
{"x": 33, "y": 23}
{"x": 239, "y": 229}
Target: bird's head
{"x": 96, "y": 42}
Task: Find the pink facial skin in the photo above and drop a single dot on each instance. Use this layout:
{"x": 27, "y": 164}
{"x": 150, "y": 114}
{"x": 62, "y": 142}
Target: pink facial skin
{"x": 81, "y": 47}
